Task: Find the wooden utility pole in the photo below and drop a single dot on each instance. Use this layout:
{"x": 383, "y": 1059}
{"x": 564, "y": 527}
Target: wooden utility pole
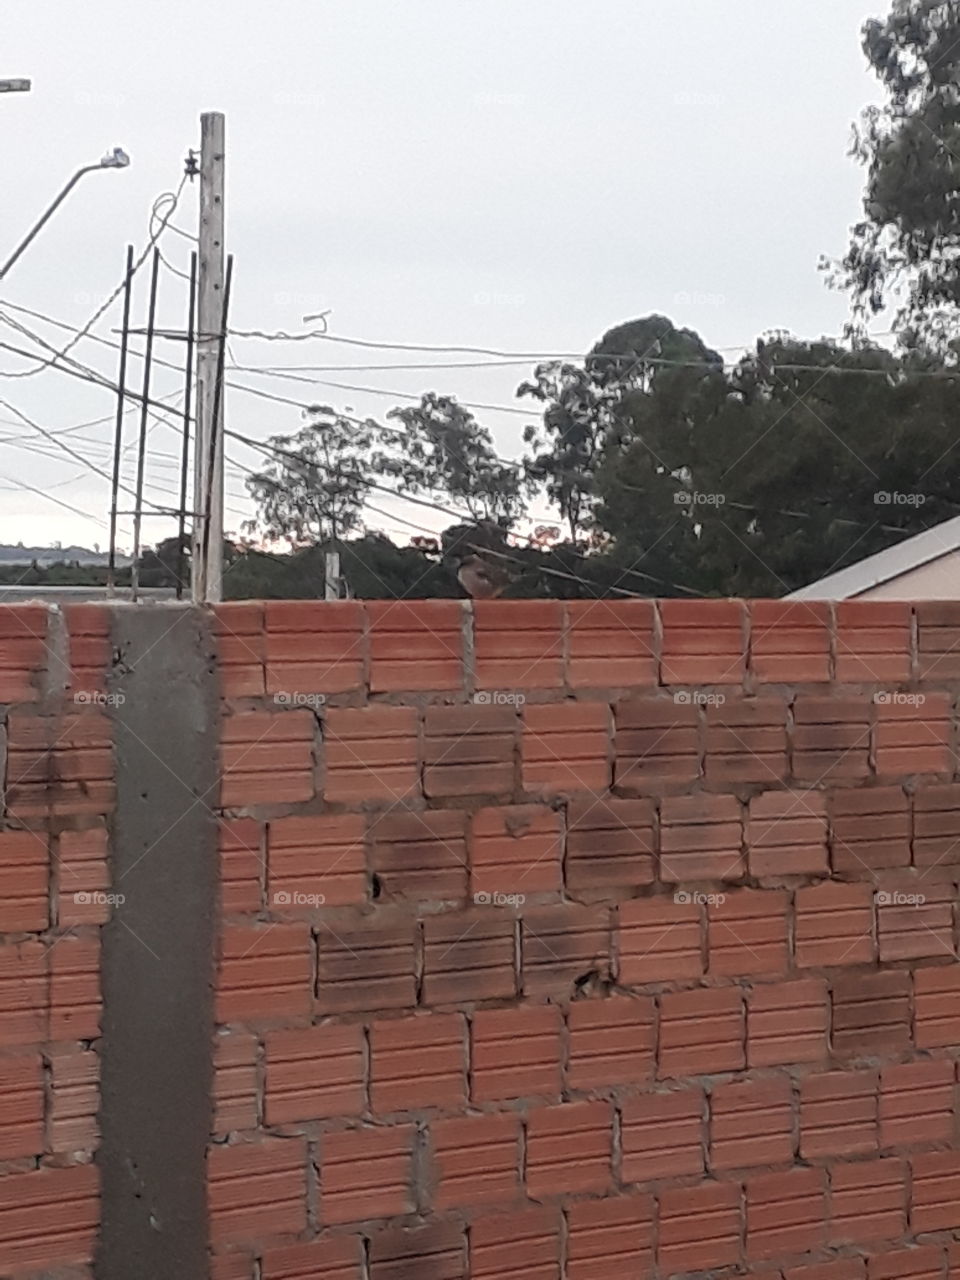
{"x": 207, "y": 557}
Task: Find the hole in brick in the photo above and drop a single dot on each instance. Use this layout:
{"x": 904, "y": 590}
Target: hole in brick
{"x": 593, "y": 983}
{"x": 376, "y": 887}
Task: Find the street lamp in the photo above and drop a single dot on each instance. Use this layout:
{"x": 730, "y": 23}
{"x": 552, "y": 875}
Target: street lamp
{"x": 115, "y": 159}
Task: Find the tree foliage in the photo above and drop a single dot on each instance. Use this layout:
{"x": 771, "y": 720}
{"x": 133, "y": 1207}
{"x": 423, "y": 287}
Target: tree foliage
{"x": 906, "y": 248}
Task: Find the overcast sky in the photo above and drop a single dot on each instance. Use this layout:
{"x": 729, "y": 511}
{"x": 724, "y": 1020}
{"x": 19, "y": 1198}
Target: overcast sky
{"x": 520, "y": 176}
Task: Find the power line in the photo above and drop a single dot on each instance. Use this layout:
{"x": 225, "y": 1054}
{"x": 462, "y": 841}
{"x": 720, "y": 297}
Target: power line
{"x": 381, "y": 391}
{"x": 458, "y": 515}
{"x": 108, "y": 303}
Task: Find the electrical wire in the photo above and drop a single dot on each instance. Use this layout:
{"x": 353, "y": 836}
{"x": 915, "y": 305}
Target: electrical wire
{"x": 108, "y": 303}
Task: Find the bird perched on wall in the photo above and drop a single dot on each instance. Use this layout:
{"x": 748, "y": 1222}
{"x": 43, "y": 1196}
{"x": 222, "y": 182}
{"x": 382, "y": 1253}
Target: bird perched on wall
{"x": 480, "y": 579}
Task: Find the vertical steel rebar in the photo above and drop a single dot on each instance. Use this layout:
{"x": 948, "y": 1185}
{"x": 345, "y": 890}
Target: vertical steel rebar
{"x": 118, "y": 433}
{"x": 144, "y": 414}
{"x": 185, "y": 456}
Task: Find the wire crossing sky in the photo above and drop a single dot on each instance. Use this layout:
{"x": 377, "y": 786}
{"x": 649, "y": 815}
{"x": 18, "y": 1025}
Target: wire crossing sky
{"x": 515, "y": 178}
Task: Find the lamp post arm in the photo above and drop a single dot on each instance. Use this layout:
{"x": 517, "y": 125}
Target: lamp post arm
{"x": 46, "y": 217}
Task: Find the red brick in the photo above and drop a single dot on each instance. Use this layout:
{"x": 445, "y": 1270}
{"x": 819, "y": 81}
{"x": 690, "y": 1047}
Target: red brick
{"x": 914, "y": 917}
{"x": 936, "y": 825}
{"x": 916, "y": 1103}
{"x": 868, "y": 1201}
{"x": 700, "y": 838}
{"x": 786, "y": 1213}
{"x": 569, "y": 1149}
{"x": 257, "y": 1189}
{"x": 60, "y": 766}
{"x": 32, "y": 1203}
{"x": 918, "y": 1262}
{"x": 873, "y": 641}
{"x": 787, "y": 1022}
{"x": 610, "y": 845}
{"x": 415, "y": 644}
{"x": 517, "y": 849}
{"x": 89, "y": 648}
{"x": 834, "y": 925}
{"x": 320, "y": 855}
{"x": 21, "y": 1122}
{"x": 660, "y": 940}
{"x": 566, "y": 747}
{"x": 477, "y": 1161}
{"x": 657, "y": 740}
{"x": 332, "y": 1258}
{"x": 469, "y": 955}
{"x": 913, "y": 737}
{"x": 470, "y": 750}
{"x": 611, "y": 1042}
{"x": 751, "y": 1123}
{"x": 84, "y": 877}
{"x": 746, "y": 740}
{"x": 418, "y": 1062}
{"x": 838, "y": 1114}
{"x": 24, "y": 994}
{"x": 235, "y": 1082}
{"x": 232, "y": 1265}
{"x": 612, "y": 644}
{"x": 662, "y": 1135}
{"x": 313, "y": 1073}
{"x": 23, "y": 651}
{"x": 73, "y": 1109}
{"x": 370, "y": 753}
{"x": 871, "y": 1013}
{"x": 935, "y": 1204}
{"x": 701, "y": 1032}
{"x": 787, "y": 834}
{"x": 264, "y": 973}
{"x": 518, "y": 645}
{"x": 870, "y": 829}
{"x": 75, "y": 1000}
{"x": 238, "y": 629}
{"x": 516, "y": 1053}
{"x": 420, "y": 856}
{"x": 937, "y": 1006}
{"x": 839, "y": 1269}
{"x": 938, "y": 639}
{"x": 267, "y": 758}
{"x": 790, "y": 641}
{"x": 699, "y": 1227}
{"x": 24, "y": 871}
{"x": 747, "y": 933}
{"x": 241, "y": 865}
{"x": 366, "y": 967}
{"x": 562, "y": 945}
{"x": 831, "y": 737}
{"x": 436, "y": 1252}
{"x": 516, "y": 1246}
{"x": 366, "y": 1173}
{"x": 610, "y": 1239}
{"x": 314, "y": 646}
{"x": 703, "y": 641}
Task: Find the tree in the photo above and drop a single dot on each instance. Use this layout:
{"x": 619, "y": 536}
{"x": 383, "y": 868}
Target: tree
{"x": 444, "y": 452}
{"x": 906, "y": 249}
{"x": 582, "y": 416}
{"x": 314, "y": 487}
{"x": 759, "y": 480}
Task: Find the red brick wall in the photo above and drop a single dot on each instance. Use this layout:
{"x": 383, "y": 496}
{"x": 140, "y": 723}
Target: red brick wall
{"x": 636, "y": 953}
{"x": 637, "y": 945}
{"x": 57, "y": 770}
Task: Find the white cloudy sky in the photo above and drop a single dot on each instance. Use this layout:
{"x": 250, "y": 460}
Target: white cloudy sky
{"x": 473, "y": 172}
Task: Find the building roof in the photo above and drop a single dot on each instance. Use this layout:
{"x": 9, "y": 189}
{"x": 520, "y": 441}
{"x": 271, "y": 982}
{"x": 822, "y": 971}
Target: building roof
{"x": 885, "y": 566}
